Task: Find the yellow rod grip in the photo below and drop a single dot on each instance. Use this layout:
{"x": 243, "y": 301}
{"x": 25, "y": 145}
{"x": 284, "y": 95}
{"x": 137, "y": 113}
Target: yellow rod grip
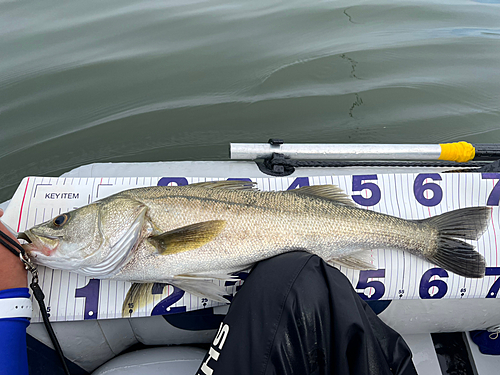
{"x": 458, "y": 151}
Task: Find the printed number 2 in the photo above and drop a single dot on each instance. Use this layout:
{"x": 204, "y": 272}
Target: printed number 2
{"x": 378, "y": 286}
{"x": 494, "y": 196}
{"x": 163, "y": 307}
{"x": 179, "y": 181}
{"x": 91, "y": 294}
{"x": 359, "y": 185}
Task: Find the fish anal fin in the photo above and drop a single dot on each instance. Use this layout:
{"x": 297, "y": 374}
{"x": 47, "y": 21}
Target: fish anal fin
{"x": 329, "y": 192}
{"x": 201, "y": 287}
{"x": 227, "y": 184}
{"x": 358, "y": 261}
{"x": 187, "y": 238}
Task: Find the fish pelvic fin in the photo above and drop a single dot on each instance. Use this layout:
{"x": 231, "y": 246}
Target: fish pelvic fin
{"x": 453, "y": 254}
{"x": 138, "y": 296}
{"x": 187, "y": 238}
{"x": 329, "y": 192}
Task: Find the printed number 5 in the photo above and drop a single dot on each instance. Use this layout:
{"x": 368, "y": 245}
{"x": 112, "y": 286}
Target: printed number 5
{"x": 358, "y": 185}
{"x": 378, "y": 286}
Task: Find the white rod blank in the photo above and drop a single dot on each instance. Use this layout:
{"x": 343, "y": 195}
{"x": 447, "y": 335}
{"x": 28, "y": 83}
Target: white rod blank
{"x": 339, "y": 151}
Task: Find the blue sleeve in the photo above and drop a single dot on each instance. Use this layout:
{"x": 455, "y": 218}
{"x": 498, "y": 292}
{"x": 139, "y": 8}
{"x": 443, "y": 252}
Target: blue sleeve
{"x": 13, "y": 353}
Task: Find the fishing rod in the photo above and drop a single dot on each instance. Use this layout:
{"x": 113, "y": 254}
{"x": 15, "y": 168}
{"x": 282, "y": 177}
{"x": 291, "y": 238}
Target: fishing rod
{"x": 276, "y": 158}
{"x": 452, "y": 152}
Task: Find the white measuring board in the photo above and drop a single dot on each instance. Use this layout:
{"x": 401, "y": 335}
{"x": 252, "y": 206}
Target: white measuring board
{"x": 399, "y": 275}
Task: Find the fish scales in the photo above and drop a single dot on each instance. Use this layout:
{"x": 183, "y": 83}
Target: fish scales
{"x": 264, "y": 224}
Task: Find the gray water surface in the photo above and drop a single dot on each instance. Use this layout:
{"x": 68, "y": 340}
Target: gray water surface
{"x": 121, "y": 80}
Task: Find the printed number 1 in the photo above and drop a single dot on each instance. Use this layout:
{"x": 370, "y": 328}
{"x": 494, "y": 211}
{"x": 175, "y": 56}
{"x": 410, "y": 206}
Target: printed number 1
{"x": 91, "y": 294}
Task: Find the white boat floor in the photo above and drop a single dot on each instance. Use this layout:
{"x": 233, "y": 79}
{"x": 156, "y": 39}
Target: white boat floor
{"x": 424, "y": 354}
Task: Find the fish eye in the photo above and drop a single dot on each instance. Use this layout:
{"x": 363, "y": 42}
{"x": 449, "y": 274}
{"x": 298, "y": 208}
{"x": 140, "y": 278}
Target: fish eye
{"x": 61, "y": 220}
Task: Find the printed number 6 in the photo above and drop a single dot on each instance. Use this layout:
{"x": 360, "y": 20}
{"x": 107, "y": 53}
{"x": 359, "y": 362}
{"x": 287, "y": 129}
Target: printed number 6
{"x": 358, "y": 185}
{"x": 419, "y": 188}
{"x": 426, "y": 284}
{"x": 363, "y": 283}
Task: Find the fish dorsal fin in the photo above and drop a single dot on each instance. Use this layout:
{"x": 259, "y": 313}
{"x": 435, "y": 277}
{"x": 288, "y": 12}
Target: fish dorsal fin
{"x": 329, "y": 192}
{"x": 187, "y": 238}
{"x": 227, "y": 184}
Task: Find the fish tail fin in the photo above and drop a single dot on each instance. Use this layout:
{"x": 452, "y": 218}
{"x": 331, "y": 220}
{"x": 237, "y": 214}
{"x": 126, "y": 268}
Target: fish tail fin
{"x": 453, "y": 254}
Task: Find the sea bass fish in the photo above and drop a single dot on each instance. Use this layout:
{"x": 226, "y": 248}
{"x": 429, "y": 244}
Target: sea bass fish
{"x": 186, "y": 235}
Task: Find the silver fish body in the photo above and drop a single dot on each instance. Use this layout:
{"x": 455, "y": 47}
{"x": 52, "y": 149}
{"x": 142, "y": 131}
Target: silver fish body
{"x": 183, "y": 234}
{"x": 260, "y": 225}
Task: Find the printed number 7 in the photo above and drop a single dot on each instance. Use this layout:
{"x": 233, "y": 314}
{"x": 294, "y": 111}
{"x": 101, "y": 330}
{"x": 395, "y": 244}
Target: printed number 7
{"x": 494, "y": 196}
{"x": 493, "y": 271}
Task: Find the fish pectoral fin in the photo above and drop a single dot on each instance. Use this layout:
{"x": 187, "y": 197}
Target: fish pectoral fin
{"x": 138, "y": 296}
{"x": 358, "y": 261}
{"x": 201, "y": 287}
{"x": 187, "y": 238}
{"x": 228, "y": 185}
{"x": 329, "y": 192}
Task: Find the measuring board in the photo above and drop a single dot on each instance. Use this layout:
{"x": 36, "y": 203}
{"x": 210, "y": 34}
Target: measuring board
{"x": 399, "y": 275}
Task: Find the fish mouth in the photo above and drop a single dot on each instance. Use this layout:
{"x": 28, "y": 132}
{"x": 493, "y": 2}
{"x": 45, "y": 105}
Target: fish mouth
{"x": 24, "y": 236}
{"x": 36, "y": 244}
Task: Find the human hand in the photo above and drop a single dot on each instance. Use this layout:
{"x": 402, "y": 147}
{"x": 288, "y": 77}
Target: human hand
{"x": 12, "y": 271}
